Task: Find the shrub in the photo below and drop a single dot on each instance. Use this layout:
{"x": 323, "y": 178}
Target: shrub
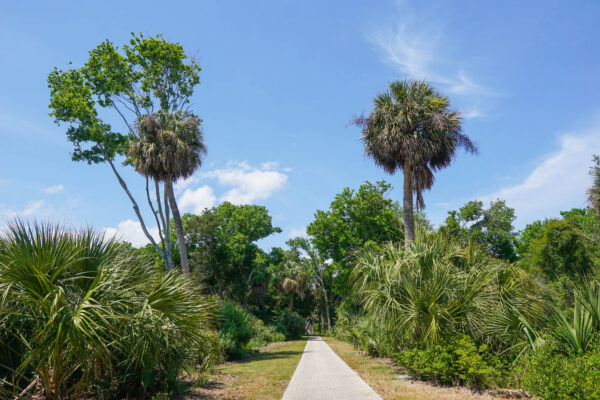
{"x": 454, "y": 362}
{"x": 555, "y": 376}
{"x": 437, "y": 287}
{"x": 365, "y": 332}
{"x": 236, "y": 330}
{"x": 84, "y": 314}
{"x": 296, "y": 326}
{"x": 264, "y": 334}
{"x": 241, "y": 331}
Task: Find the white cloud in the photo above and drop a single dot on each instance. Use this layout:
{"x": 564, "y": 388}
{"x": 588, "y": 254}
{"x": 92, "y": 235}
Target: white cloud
{"x": 294, "y": 233}
{"x": 248, "y": 183}
{"x": 131, "y": 231}
{"x": 416, "y": 47}
{"x": 54, "y": 189}
{"x": 557, "y": 183}
{"x": 36, "y": 208}
{"x": 196, "y": 200}
{"x": 32, "y": 208}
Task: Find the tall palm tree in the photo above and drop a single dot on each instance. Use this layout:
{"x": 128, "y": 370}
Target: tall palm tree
{"x": 594, "y": 192}
{"x": 413, "y": 129}
{"x": 293, "y": 281}
{"x": 170, "y": 147}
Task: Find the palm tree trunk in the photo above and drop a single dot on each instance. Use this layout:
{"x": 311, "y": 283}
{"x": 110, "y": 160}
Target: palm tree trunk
{"x": 409, "y": 218}
{"x": 291, "y": 310}
{"x": 178, "y": 226}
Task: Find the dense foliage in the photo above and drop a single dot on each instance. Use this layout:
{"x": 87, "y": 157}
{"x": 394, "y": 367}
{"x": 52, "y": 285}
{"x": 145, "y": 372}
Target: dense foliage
{"x": 473, "y": 302}
{"x": 80, "y": 313}
{"x": 241, "y": 331}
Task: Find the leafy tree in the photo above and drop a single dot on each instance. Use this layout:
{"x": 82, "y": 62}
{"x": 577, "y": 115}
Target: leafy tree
{"x": 529, "y": 234}
{"x": 491, "y": 227}
{"x": 562, "y": 249}
{"x": 170, "y": 147}
{"x": 354, "y": 219}
{"x": 413, "y": 129}
{"x": 587, "y": 220}
{"x": 148, "y": 74}
{"x": 318, "y": 269}
{"x": 594, "y": 191}
{"x": 223, "y": 250}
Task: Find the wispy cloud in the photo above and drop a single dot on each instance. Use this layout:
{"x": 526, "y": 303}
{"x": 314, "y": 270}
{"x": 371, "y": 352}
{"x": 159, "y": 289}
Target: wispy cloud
{"x": 557, "y": 183}
{"x": 417, "y": 47}
{"x": 36, "y": 208}
{"x": 54, "y": 189}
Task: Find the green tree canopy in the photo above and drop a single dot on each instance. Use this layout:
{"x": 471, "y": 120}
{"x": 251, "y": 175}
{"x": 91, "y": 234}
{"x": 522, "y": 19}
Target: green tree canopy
{"x": 223, "y": 249}
{"x": 491, "y": 227}
{"x": 354, "y": 219}
{"x": 562, "y": 249}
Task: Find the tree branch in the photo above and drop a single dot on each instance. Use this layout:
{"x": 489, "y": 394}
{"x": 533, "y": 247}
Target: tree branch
{"x": 162, "y": 239}
{"x": 136, "y": 209}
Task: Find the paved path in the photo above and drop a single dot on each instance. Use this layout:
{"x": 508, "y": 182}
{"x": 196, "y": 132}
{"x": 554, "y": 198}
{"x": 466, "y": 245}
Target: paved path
{"x": 322, "y": 375}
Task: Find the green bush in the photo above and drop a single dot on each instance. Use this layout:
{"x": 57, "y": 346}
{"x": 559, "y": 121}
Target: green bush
{"x": 365, "y": 332}
{"x": 293, "y": 329}
{"x": 236, "y": 330}
{"x": 264, "y": 334}
{"x": 241, "y": 331}
{"x": 457, "y": 361}
{"x": 551, "y": 375}
{"x": 89, "y": 316}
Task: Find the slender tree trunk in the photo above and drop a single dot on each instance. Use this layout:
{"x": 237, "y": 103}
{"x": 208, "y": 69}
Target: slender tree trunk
{"x": 291, "y": 310}
{"x": 137, "y": 210}
{"x": 165, "y": 224}
{"x": 248, "y": 291}
{"x": 168, "y": 246}
{"x": 321, "y": 323}
{"x": 327, "y": 311}
{"x": 178, "y": 226}
{"x": 409, "y": 218}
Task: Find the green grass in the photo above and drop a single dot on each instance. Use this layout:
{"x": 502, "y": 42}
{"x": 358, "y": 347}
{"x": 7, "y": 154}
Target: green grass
{"x": 263, "y": 375}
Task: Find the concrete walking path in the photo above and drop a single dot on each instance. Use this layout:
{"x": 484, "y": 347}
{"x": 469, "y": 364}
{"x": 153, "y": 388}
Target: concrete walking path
{"x": 322, "y": 375}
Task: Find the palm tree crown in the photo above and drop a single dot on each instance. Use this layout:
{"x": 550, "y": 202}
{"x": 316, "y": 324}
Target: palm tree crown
{"x": 171, "y": 145}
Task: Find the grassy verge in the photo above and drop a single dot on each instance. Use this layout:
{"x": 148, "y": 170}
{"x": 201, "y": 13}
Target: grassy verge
{"x": 390, "y": 383}
{"x": 263, "y": 375}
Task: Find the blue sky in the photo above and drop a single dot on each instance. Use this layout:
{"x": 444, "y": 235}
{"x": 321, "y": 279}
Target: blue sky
{"x": 280, "y": 81}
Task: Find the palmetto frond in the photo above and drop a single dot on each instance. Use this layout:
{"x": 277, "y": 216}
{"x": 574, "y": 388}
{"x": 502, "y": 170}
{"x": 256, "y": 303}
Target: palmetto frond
{"x": 75, "y": 306}
{"x": 434, "y": 287}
